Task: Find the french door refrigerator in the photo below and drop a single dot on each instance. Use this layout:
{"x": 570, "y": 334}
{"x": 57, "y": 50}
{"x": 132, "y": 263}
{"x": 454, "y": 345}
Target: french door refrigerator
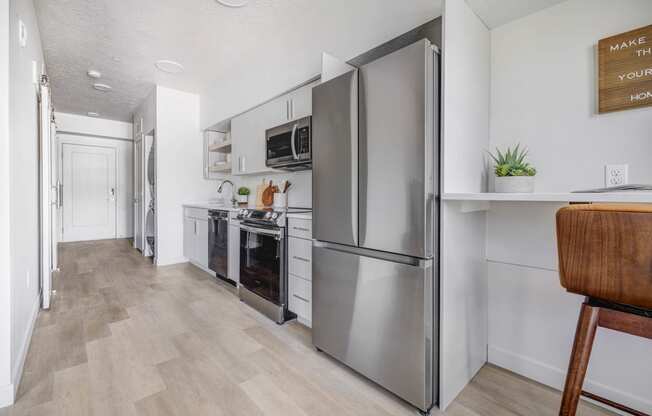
{"x": 375, "y": 210}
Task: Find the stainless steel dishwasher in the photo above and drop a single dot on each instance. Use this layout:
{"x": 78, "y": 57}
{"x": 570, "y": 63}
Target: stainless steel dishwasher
{"x": 218, "y": 244}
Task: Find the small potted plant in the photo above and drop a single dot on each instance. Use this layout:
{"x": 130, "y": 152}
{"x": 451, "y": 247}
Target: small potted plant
{"x": 513, "y": 173}
{"x": 243, "y": 195}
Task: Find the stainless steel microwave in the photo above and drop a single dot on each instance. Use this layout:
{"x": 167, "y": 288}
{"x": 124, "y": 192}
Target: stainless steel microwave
{"x": 289, "y": 146}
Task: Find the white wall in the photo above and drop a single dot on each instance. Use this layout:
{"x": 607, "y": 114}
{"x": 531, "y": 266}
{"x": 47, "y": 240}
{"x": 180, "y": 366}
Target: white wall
{"x": 23, "y": 174}
{"x": 179, "y": 169}
{"x": 93, "y": 126}
{"x": 76, "y": 129}
{"x": 6, "y": 388}
{"x": 465, "y": 132}
{"x": 543, "y": 95}
{"x": 299, "y": 195}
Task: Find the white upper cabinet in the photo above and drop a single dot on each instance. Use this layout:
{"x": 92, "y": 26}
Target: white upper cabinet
{"x": 248, "y": 129}
{"x": 301, "y": 102}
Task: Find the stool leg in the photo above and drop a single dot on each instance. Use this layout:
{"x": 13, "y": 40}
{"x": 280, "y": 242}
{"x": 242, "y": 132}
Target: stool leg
{"x": 579, "y": 361}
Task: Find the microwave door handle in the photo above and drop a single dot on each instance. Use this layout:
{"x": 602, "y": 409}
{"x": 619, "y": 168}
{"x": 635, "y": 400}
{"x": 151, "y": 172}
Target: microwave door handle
{"x": 294, "y": 150}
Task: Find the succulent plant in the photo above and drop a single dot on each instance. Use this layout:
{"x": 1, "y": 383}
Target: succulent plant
{"x": 243, "y": 190}
{"x": 512, "y": 162}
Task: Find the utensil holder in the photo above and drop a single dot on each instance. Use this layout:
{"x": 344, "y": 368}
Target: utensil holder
{"x": 280, "y": 200}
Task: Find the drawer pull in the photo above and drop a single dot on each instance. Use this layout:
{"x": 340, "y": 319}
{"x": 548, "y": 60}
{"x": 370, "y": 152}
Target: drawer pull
{"x": 301, "y": 258}
{"x": 301, "y": 228}
{"x": 301, "y": 298}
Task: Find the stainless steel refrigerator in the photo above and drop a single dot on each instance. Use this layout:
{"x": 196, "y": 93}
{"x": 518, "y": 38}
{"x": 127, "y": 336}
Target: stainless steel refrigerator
{"x": 375, "y": 211}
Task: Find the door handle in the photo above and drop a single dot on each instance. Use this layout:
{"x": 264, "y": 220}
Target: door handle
{"x": 60, "y": 194}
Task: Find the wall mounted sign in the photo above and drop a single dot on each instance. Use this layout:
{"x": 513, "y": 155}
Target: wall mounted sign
{"x": 625, "y": 70}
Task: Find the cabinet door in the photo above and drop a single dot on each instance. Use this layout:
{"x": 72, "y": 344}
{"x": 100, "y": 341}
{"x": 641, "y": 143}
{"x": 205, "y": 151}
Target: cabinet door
{"x": 201, "y": 243}
{"x": 277, "y": 112}
{"x": 248, "y": 135}
{"x": 234, "y": 253}
{"x": 189, "y": 238}
{"x": 301, "y": 99}
{"x": 242, "y": 131}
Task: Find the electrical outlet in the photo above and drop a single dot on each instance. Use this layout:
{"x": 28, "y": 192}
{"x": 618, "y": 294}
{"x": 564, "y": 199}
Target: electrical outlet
{"x": 615, "y": 175}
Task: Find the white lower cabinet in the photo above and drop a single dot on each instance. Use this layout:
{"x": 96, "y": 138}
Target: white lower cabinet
{"x": 300, "y": 299}
{"x": 195, "y": 237}
{"x": 300, "y": 278}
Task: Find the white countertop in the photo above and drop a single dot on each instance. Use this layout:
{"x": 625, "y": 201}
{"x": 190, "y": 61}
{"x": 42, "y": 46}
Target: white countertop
{"x": 622, "y": 197}
{"x": 211, "y": 205}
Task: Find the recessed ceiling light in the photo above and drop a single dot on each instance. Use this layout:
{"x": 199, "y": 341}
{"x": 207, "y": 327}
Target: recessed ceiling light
{"x": 93, "y": 114}
{"x": 233, "y": 3}
{"x": 94, "y": 74}
{"x": 102, "y": 87}
{"x": 168, "y": 66}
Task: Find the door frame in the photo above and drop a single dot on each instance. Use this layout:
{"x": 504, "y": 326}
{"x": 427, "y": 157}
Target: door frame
{"x": 139, "y": 214}
{"x": 60, "y": 144}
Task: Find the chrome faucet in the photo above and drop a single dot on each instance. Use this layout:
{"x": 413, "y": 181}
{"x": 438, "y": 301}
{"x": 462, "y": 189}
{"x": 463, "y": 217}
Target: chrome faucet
{"x": 219, "y": 190}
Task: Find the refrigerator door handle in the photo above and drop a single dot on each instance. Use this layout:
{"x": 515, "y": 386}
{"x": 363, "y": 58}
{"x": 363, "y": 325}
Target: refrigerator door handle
{"x": 380, "y": 255}
{"x": 354, "y": 156}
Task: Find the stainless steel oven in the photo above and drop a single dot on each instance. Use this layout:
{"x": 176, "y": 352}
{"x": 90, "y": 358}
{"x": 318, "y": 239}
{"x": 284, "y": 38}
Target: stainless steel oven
{"x": 289, "y": 146}
{"x": 263, "y": 274}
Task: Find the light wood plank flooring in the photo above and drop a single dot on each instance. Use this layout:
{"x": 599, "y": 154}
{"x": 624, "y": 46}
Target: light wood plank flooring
{"x": 126, "y": 338}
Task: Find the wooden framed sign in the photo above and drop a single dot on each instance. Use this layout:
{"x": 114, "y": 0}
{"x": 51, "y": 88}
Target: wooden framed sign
{"x": 625, "y": 70}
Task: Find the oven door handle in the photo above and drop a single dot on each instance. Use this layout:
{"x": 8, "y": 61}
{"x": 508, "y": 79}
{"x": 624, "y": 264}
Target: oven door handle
{"x": 294, "y": 150}
{"x": 271, "y": 233}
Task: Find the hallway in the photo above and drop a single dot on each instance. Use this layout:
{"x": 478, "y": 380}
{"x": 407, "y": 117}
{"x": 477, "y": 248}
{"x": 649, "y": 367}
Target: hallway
{"x": 126, "y": 338}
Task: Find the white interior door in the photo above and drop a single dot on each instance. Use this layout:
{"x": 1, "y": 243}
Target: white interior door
{"x": 89, "y": 192}
{"x": 139, "y": 179}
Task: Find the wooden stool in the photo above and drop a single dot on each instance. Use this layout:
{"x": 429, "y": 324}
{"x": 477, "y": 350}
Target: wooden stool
{"x": 605, "y": 254}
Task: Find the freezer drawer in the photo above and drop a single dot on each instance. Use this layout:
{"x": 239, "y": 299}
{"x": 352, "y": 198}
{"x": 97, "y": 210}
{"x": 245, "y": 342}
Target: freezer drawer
{"x": 378, "y": 317}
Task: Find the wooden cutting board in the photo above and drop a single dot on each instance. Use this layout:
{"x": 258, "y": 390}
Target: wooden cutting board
{"x": 259, "y": 194}
{"x": 268, "y": 195}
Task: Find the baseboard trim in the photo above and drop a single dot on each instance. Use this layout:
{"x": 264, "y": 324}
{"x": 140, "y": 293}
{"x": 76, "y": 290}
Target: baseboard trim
{"x": 170, "y": 262}
{"x": 17, "y": 374}
{"x": 554, "y": 377}
{"x": 6, "y": 395}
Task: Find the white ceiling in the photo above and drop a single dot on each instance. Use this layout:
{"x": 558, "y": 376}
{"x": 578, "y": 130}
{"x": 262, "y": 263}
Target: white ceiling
{"x": 498, "y": 12}
{"x": 123, "y": 39}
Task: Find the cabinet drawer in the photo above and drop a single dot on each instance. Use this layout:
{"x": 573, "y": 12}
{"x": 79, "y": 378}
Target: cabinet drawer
{"x": 300, "y": 297}
{"x": 300, "y": 257}
{"x": 298, "y": 227}
{"x": 199, "y": 213}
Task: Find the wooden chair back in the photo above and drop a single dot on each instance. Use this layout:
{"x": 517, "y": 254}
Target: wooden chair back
{"x": 605, "y": 252}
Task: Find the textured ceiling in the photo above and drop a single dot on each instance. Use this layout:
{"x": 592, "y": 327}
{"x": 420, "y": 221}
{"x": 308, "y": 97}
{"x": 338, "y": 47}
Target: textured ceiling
{"x": 498, "y": 12}
{"x": 218, "y": 46}
{"x": 123, "y": 38}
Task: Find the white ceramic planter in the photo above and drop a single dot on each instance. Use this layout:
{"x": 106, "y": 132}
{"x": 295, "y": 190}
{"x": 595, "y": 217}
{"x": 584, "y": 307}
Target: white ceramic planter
{"x": 243, "y": 199}
{"x": 514, "y": 184}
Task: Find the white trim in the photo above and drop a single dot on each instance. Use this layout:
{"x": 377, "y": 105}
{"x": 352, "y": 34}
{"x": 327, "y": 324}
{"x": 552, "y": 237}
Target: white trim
{"x": 17, "y": 374}
{"x": 170, "y": 262}
{"x": 554, "y": 377}
{"x": 6, "y": 395}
